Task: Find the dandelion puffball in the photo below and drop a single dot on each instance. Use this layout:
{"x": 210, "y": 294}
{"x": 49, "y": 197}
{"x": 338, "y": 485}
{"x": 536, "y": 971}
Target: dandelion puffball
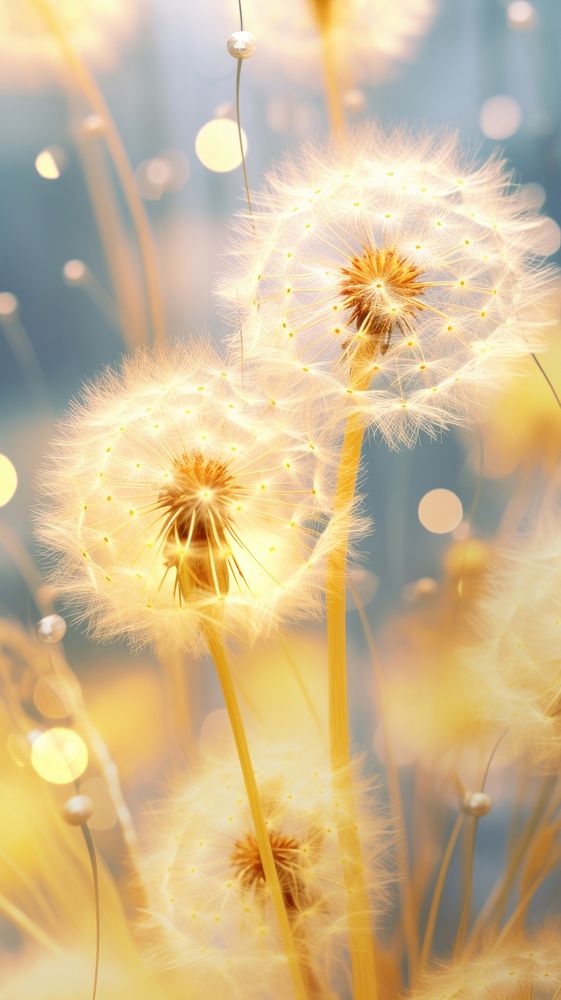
{"x": 367, "y": 37}
{"x": 515, "y": 656}
{"x": 174, "y": 500}
{"x": 30, "y": 56}
{"x": 207, "y": 885}
{"x": 519, "y": 967}
{"x": 414, "y": 281}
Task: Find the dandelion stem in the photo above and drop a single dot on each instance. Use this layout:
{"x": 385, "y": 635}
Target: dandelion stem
{"x": 127, "y": 314}
{"x": 95, "y": 875}
{"x": 94, "y": 98}
{"x": 360, "y": 931}
{"x": 470, "y": 860}
{"x": 495, "y": 906}
{"x": 547, "y": 378}
{"x": 394, "y": 788}
{"x": 219, "y": 656}
{"x": 332, "y": 95}
{"x": 439, "y": 886}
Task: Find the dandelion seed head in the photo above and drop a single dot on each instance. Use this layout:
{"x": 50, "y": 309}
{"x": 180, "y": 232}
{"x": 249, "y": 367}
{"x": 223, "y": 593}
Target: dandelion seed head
{"x": 175, "y": 498}
{"x": 392, "y": 264}
{"x": 515, "y": 653}
{"x": 207, "y": 885}
{"x": 520, "y": 966}
{"x": 368, "y": 37}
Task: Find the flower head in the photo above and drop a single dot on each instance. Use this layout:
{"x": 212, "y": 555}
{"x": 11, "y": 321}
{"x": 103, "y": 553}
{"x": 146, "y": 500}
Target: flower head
{"x": 520, "y": 967}
{"x": 29, "y": 56}
{"x": 175, "y": 498}
{"x": 368, "y": 37}
{"x": 515, "y": 655}
{"x": 412, "y": 280}
{"x": 207, "y": 881}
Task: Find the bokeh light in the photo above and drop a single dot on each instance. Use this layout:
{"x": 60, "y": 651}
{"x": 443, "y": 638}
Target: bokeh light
{"x": 500, "y": 117}
{"x": 218, "y": 145}
{"x": 59, "y": 755}
{"x": 440, "y": 511}
{"x": 50, "y": 163}
{"x": 8, "y": 480}
{"x": 521, "y": 15}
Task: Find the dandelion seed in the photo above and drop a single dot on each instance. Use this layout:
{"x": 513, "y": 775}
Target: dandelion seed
{"x": 416, "y": 281}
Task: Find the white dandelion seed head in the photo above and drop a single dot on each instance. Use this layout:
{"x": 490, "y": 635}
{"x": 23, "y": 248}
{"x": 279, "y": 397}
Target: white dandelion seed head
{"x": 206, "y": 881}
{"x": 515, "y": 654}
{"x": 368, "y": 38}
{"x": 175, "y": 499}
{"x": 392, "y": 262}
{"x": 523, "y": 966}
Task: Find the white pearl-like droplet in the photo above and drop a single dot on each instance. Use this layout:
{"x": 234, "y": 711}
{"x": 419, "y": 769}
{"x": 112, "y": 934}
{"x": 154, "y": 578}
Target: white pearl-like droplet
{"x": 75, "y": 272}
{"x": 241, "y": 44}
{"x": 51, "y": 629}
{"x": 93, "y": 125}
{"x": 477, "y": 803}
{"x": 78, "y": 810}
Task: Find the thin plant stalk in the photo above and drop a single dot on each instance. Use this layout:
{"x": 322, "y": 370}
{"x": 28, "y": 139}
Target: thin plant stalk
{"x": 218, "y": 653}
{"x": 87, "y": 86}
{"x": 97, "y": 746}
{"x": 495, "y": 906}
{"x": 332, "y": 90}
{"x": 116, "y": 248}
{"x": 438, "y": 889}
{"x": 396, "y": 802}
{"x": 470, "y": 860}
{"x": 360, "y": 932}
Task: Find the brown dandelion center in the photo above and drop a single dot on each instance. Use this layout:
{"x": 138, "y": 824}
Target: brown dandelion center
{"x": 382, "y": 290}
{"x": 247, "y": 865}
{"x": 196, "y": 505}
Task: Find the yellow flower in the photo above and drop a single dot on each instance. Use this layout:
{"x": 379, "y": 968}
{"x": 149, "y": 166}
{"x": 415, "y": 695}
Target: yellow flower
{"x": 207, "y": 883}
{"x": 176, "y": 500}
{"x": 413, "y": 280}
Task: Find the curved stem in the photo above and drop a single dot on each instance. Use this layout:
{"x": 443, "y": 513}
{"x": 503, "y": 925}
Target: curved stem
{"x": 218, "y": 654}
{"x": 94, "y": 98}
{"x": 360, "y": 931}
{"x": 439, "y": 886}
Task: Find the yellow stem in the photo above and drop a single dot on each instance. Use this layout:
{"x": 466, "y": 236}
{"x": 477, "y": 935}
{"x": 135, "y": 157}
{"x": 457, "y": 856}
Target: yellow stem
{"x": 94, "y": 98}
{"x": 218, "y": 654}
{"x": 394, "y": 788}
{"x": 360, "y": 931}
{"x": 128, "y": 296}
{"x": 332, "y": 95}
{"x": 439, "y": 886}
